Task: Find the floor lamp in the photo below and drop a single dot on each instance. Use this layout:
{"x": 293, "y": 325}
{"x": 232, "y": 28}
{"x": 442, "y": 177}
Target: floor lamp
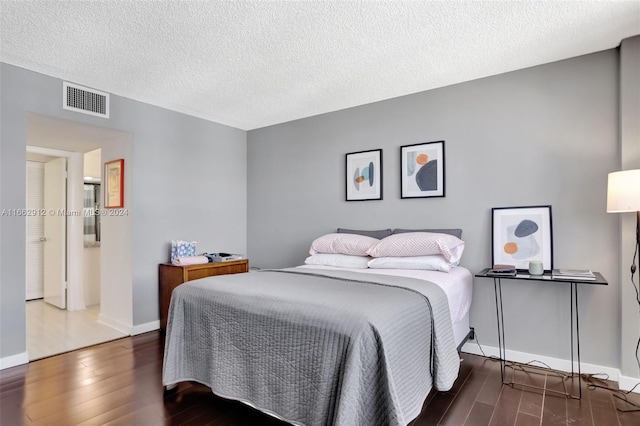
{"x": 623, "y": 195}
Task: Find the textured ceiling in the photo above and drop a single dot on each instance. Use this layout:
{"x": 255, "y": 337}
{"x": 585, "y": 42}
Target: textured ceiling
{"x": 254, "y": 64}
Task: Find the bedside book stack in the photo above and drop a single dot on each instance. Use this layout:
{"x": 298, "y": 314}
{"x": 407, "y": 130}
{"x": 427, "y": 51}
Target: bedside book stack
{"x": 503, "y": 271}
{"x": 573, "y": 274}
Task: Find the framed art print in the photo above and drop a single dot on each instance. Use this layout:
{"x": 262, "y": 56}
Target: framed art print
{"x": 364, "y": 175}
{"x": 522, "y": 234}
{"x": 114, "y": 184}
{"x": 422, "y": 170}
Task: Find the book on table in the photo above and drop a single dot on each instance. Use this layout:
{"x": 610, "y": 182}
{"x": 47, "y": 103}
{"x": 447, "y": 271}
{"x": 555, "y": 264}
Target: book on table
{"x": 503, "y": 270}
{"x": 573, "y": 274}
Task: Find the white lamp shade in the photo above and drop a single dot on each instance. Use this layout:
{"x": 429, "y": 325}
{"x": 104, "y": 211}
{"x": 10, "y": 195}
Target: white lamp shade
{"x": 623, "y": 191}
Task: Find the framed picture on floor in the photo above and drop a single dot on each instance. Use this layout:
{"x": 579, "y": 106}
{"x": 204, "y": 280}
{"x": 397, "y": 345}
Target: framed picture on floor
{"x": 364, "y": 175}
{"x": 520, "y": 235}
{"x": 422, "y": 170}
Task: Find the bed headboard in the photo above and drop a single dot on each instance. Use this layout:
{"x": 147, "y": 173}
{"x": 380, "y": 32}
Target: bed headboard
{"x": 379, "y": 234}
{"x": 383, "y": 233}
{"x": 456, "y": 232}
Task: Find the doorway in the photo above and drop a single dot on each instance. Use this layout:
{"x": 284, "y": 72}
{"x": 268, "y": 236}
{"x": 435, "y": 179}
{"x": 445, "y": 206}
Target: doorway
{"x": 64, "y": 248}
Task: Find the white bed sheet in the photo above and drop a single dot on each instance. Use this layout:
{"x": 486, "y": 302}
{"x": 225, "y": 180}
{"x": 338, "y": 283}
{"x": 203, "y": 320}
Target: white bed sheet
{"x": 457, "y": 284}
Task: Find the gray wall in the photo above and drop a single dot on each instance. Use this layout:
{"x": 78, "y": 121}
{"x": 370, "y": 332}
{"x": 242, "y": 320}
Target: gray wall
{"x": 178, "y": 165}
{"x": 543, "y": 135}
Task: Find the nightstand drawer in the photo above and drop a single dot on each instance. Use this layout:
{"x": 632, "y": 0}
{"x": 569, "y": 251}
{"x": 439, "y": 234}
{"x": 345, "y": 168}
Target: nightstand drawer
{"x": 222, "y": 269}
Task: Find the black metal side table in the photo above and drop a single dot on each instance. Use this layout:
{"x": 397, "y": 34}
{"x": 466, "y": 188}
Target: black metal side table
{"x": 575, "y": 325}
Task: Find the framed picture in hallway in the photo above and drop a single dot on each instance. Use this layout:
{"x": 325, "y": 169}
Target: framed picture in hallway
{"x": 114, "y": 184}
{"x": 422, "y": 170}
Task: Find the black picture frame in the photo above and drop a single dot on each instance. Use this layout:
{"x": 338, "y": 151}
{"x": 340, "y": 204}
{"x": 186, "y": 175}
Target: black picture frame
{"x": 522, "y": 234}
{"x": 363, "y": 175}
{"x": 422, "y": 170}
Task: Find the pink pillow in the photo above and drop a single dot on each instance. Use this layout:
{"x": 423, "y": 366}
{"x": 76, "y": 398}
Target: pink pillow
{"x": 351, "y": 244}
{"x": 419, "y": 244}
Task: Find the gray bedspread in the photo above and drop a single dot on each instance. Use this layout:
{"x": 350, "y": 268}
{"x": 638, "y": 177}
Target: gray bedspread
{"x": 314, "y": 348}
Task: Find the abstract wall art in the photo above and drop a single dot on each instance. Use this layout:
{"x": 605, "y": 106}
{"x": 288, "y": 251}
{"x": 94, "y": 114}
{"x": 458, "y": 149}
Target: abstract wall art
{"x": 364, "y": 175}
{"x": 422, "y": 170}
{"x": 522, "y": 234}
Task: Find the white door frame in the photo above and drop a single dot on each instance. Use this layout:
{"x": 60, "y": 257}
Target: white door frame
{"x": 55, "y": 232}
{"x": 75, "y": 223}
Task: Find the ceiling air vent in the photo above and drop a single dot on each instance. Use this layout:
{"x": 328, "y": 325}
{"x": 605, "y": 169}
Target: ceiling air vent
{"x": 85, "y": 100}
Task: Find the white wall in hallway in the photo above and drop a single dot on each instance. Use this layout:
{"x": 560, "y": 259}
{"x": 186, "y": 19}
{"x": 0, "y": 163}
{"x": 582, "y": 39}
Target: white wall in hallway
{"x": 91, "y": 261}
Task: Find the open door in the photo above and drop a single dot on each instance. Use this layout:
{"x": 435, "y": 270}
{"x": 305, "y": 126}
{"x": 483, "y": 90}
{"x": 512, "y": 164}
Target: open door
{"x": 55, "y": 232}
{"x": 35, "y": 231}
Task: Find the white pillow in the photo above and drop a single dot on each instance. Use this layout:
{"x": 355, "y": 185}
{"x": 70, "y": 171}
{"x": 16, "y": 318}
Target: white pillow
{"x": 351, "y": 244}
{"x": 434, "y": 262}
{"x": 419, "y": 244}
{"x": 340, "y": 260}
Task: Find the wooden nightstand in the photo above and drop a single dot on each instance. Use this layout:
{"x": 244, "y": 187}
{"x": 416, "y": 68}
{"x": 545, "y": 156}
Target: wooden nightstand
{"x": 171, "y": 276}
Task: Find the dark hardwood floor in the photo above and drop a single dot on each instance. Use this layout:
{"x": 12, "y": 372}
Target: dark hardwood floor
{"x": 119, "y": 383}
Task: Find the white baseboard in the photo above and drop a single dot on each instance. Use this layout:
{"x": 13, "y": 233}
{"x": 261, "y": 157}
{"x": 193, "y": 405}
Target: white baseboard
{"x": 110, "y": 322}
{"x": 131, "y": 330}
{"x": 13, "y": 360}
{"x": 145, "y": 328}
{"x": 625, "y": 383}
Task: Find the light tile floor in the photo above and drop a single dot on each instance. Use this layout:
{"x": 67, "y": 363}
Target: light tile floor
{"x": 53, "y": 331}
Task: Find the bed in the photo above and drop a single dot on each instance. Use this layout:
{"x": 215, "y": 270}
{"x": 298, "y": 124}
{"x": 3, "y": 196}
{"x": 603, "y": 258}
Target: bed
{"x": 321, "y": 345}
{"x": 457, "y": 285}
